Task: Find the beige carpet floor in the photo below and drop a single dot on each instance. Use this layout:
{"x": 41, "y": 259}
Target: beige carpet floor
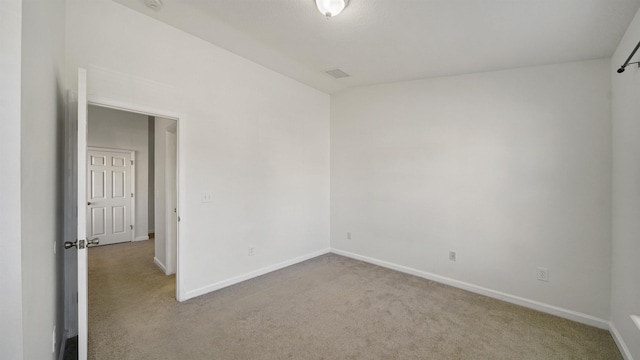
{"x": 330, "y": 307}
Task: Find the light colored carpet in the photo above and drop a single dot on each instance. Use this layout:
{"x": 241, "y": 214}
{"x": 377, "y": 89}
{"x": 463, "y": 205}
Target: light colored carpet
{"x": 330, "y": 307}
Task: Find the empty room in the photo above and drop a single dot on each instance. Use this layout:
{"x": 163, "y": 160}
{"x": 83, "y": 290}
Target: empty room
{"x": 352, "y": 179}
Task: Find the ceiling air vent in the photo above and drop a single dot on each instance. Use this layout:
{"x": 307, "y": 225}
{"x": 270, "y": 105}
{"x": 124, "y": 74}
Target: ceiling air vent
{"x": 337, "y": 73}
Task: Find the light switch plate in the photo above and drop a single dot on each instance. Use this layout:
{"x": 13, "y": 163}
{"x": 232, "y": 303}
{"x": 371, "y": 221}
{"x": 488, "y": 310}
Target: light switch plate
{"x": 206, "y": 197}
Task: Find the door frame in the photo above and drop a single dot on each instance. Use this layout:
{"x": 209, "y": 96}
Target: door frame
{"x": 180, "y": 191}
{"x": 132, "y": 212}
{"x": 171, "y": 130}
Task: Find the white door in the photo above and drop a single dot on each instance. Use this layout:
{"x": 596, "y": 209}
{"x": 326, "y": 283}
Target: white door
{"x": 82, "y": 241}
{"x": 109, "y": 196}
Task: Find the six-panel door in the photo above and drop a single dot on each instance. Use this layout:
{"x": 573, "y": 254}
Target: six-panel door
{"x": 109, "y": 196}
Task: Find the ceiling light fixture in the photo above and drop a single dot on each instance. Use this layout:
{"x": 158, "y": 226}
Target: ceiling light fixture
{"x": 154, "y": 4}
{"x": 331, "y": 8}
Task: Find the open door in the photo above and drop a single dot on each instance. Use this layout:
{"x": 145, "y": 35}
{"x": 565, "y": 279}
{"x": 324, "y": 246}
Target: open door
{"x": 82, "y": 242}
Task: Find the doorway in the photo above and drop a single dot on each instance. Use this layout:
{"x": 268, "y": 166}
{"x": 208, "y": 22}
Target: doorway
{"x": 132, "y": 163}
{"x": 119, "y": 131}
{"x": 76, "y": 145}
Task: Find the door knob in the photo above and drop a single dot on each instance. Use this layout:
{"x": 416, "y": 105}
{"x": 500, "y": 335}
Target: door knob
{"x": 81, "y": 244}
{"x": 70, "y": 244}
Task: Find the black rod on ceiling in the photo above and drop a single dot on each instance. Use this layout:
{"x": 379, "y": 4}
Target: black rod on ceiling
{"x": 626, "y": 63}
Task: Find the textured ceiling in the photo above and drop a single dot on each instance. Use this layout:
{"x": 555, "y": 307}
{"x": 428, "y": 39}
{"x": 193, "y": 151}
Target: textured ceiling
{"x": 378, "y": 41}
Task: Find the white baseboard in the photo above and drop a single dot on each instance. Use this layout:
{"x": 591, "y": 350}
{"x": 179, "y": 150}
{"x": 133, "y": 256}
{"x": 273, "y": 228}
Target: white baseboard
{"x": 624, "y": 350}
{"x": 237, "y": 279}
{"x": 160, "y": 265}
{"x": 141, "y": 238}
{"x": 532, "y": 304}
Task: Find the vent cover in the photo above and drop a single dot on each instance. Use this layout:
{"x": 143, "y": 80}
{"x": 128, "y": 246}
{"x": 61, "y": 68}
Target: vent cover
{"x": 337, "y": 73}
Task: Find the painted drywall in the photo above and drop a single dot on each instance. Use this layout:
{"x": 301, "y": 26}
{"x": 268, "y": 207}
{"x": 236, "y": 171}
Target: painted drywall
{"x": 160, "y": 128}
{"x": 625, "y": 291}
{"x": 255, "y": 139}
{"x": 510, "y": 169}
{"x": 42, "y": 170}
{"x": 10, "y": 227}
{"x": 130, "y": 131}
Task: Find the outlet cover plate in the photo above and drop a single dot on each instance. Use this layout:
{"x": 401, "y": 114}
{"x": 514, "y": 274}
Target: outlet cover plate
{"x": 206, "y": 197}
{"x": 543, "y": 274}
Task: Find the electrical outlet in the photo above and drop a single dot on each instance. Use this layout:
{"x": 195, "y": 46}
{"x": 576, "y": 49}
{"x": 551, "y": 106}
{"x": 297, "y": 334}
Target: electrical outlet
{"x": 349, "y": 235}
{"x": 206, "y": 197}
{"x": 452, "y": 255}
{"x": 53, "y": 340}
{"x": 543, "y": 274}
{"x": 251, "y": 252}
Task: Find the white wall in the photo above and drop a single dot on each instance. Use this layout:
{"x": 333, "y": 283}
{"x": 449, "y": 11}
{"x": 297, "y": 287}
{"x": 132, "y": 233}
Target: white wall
{"x": 255, "y": 139}
{"x": 10, "y": 227}
{"x": 625, "y": 295}
{"x": 510, "y": 169}
{"x": 160, "y": 127}
{"x": 41, "y": 158}
{"x": 130, "y": 131}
